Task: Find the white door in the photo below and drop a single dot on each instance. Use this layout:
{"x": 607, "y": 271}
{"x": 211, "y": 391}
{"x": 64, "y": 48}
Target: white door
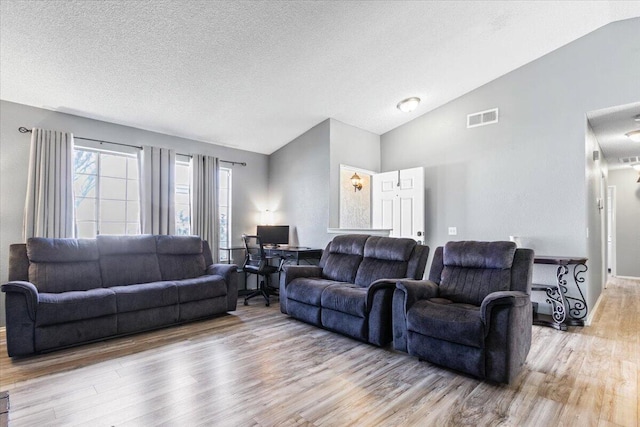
{"x": 397, "y": 202}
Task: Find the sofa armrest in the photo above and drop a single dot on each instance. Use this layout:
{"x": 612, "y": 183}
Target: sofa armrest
{"x": 379, "y": 311}
{"x": 30, "y": 293}
{"x": 291, "y": 272}
{"x": 502, "y": 299}
{"x": 507, "y": 316}
{"x": 407, "y": 293}
{"x": 228, "y": 272}
{"x": 224, "y": 270}
{"x": 20, "y": 306}
{"x": 377, "y": 286}
{"x": 416, "y": 290}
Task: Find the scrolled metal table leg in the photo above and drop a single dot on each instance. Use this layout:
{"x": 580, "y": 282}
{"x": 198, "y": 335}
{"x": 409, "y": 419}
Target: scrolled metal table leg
{"x": 577, "y": 306}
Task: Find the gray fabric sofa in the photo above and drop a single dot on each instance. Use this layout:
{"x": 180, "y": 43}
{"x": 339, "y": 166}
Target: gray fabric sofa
{"x": 352, "y": 289}
{"x": 474, "y": 313}
{"x": 63, "y": 292}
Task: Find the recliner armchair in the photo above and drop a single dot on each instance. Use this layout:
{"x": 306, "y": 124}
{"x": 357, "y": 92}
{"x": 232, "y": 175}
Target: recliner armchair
{"x": 474, "y": 313}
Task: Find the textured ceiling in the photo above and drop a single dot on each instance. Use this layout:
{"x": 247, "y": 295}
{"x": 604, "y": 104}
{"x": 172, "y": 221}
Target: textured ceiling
{"x": 254, "y": 75}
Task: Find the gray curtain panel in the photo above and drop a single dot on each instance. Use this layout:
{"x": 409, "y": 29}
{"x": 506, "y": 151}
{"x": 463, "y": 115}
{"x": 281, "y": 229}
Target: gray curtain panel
{"x": 204, "y": 200}
{"x": 157, "y": 167}
{"x": 49, "y": 209}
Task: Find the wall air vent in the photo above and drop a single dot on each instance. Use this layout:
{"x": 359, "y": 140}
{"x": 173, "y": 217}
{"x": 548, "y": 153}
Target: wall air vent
{"x": 630, "y": 160}
{"x": 482, "y": 118}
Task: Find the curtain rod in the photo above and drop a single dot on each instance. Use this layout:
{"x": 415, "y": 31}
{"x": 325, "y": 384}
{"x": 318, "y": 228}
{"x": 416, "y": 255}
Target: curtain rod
{"x": 23, "y": 129}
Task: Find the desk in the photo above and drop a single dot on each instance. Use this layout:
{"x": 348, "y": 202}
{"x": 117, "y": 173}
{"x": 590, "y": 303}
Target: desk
{"x": 290, "y": 254}
{"x": 230, "y": 250}
{"x": 557, "y": 296}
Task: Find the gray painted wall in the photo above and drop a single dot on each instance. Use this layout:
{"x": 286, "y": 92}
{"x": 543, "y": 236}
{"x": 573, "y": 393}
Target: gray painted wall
{"x": 627, "y": 221}
{"x": 304, "y": 177}
{"x": 299, "y": 186}
{"x": 249, "y": 183}
{"x": 350, "y": 146}
{"x": 596, "y": 174}
{"x": 525, "y": 175}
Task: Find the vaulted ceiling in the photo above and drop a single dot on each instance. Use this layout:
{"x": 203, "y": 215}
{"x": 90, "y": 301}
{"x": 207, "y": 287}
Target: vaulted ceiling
{"x": 254, "y": 75}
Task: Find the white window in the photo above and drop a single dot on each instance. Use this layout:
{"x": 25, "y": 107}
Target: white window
{"x": 183, "y": 190}
{"x": 183, "y": 206}
{"x": 106, "y": 193}
{"x": 224, "y": 209}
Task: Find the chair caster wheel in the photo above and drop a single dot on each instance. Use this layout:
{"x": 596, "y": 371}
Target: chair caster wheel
{"x": 267, "y": 304}
{"x": 246, "y": 303}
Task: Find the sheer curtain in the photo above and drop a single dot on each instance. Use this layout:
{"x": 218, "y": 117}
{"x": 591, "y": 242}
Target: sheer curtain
{"x": 157, "y": 190}
{"x": 49, "y": 209}
{"x": 204, "y": 200}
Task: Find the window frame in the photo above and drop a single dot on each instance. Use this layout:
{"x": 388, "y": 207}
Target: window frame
{"x": 98, "y": 199}
{"x": 182, "y": 160}
{"x": 229, "y": 201}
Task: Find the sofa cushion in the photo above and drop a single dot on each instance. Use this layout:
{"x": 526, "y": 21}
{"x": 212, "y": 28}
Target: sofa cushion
{"x": 444, "y": 320}
{"x": 472, "y": 285}
{"x": 384, "y": 258}
{"x": 348, "y": 299}
{"x": 56, "y": 308}
{"x": 472, "y": 254}
{"x": 61, "y": 265}
{"x": 179, "y": 245}
{"x": 40, "y": 249}
{"x": 118, "y": 245}
{"x": 180, "y": 257}
{"x": 309, "y": 289}
{"x": 126, "y": 260}
{"x": 473, "y": 270}
{"x": 199, "y": 288}
{"x": 343, "y": 258}
{"x": 372, "y": 269}
{"x": 146, "y": 295}
{"x": 389, "y": 248}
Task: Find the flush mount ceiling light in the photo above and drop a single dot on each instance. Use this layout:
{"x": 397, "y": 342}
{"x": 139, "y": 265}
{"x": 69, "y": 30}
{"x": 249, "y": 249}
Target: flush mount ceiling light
{"x": 408, "y": 105}
{"x": 634, "y": 135}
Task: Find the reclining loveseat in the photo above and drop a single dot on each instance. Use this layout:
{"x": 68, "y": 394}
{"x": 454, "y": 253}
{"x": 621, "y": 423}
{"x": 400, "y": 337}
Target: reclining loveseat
{"x": 63, "y": 292}
{"x": 351, "y": 291}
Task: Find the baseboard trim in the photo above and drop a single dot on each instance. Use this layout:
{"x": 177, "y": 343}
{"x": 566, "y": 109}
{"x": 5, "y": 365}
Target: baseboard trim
{"x": 593, "y": 311}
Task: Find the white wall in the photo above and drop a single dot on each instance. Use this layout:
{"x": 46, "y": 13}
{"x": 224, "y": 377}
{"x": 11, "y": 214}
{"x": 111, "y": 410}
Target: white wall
{"x": 525, "y": 175}
{"x": 628, "y": 221}
{"x": 249, "y": 183}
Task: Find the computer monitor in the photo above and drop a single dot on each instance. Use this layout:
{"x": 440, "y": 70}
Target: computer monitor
{"x": 273, "y": 234}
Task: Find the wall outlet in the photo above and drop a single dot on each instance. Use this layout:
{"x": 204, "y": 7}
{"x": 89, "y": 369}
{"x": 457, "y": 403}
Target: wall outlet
{"x": 453, "y": 231}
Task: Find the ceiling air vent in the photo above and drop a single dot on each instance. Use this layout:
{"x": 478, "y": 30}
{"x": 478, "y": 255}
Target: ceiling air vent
{"x": 482, "y": 118}
{"x": 630, "y": 160}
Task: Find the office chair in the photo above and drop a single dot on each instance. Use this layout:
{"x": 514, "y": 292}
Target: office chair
{"x": 255, "y": 262}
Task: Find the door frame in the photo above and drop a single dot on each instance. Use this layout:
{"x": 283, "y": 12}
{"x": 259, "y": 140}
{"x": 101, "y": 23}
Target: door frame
{"x": 611, "y": 229}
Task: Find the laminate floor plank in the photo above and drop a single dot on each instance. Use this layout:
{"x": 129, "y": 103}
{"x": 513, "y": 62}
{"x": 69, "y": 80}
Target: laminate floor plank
{"x": 258, "y": 367}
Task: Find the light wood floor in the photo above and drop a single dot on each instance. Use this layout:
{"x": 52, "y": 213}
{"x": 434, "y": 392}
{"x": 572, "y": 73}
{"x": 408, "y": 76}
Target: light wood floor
{"x": 260, "y": 367}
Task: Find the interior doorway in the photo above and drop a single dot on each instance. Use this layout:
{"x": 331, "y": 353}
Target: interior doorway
{"x": 397, "y": 202}
{"x": 611, "y": 231}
